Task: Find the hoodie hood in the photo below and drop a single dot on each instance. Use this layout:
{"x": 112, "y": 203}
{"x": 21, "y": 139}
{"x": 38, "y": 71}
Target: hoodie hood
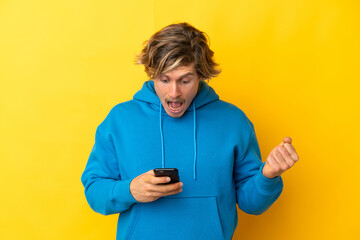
{"x": 205, "y": 95}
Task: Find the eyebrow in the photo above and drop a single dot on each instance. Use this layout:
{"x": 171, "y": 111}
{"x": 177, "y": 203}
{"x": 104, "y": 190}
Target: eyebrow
{"x": 182, "y": 76}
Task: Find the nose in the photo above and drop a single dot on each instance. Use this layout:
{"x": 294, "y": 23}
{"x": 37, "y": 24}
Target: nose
{"x": 174, "y": 90}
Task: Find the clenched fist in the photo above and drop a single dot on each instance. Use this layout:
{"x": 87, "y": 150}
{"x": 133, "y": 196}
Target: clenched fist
{"x": 280, "y": 159}
{"x": 146, "y": 188}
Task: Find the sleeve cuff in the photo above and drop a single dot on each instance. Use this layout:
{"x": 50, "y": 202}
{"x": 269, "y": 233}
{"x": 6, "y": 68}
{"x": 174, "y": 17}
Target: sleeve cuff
{"x": 122, "y": 193}
{"x": 268, "y": 186}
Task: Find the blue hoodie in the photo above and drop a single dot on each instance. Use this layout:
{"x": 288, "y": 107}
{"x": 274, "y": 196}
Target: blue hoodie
{"x": 214, "y": 147}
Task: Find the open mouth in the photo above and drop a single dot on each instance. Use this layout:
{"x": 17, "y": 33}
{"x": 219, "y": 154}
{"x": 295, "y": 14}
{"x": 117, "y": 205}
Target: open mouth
{"x": 175, "y": 107}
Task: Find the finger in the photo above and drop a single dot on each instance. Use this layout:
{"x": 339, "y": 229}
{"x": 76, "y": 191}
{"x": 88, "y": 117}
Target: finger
{"x": 280, "y": 160}
{"x": 149, "y": 177}
{"x": 159, "y": 180}
{"x": 173, "y": 192}
{"x": 290, "y": 148}
{"x": 286, "y": 155}
{"x": 273, "y": 164}
{"x": 163, "y": 189}
{"x": 157, "y": 195}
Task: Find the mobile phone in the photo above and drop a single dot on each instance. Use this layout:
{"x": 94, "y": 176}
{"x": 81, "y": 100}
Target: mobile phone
{"x": 173, "y": 173}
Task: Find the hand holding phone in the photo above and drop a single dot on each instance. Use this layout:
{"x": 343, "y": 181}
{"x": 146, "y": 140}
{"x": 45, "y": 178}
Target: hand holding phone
{"x": 173, "y": 173}
{"x": 147, "y": 187}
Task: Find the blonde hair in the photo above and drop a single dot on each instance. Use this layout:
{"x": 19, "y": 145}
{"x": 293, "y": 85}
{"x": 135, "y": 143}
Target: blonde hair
{"x": 175, "y": 45}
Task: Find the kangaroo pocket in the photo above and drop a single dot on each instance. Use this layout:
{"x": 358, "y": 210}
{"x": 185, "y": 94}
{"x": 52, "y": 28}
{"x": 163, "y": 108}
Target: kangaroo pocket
{"x": 176, "y": 218}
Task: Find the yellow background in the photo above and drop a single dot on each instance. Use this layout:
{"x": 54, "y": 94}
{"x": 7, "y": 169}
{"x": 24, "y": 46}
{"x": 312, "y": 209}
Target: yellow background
{"x": 292, "y": 66}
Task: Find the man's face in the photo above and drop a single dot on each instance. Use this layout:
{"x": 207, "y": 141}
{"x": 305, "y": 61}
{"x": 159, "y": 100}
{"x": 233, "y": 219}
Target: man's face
{"x": 177, "y": 88}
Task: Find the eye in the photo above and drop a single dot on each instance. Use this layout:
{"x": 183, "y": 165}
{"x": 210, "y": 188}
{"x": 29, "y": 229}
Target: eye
{"x": 186, "y": 81}
{"x": 164, "y": 80}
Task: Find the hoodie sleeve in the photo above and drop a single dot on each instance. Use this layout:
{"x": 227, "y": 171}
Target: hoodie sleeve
{"x": 255, "y": 192}
{"x": 105, "y": 191}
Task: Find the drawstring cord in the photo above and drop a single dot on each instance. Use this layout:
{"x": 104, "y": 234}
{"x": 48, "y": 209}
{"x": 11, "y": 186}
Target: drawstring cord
{"x": 162, "y": 140}
{"x": 195, "y": 149}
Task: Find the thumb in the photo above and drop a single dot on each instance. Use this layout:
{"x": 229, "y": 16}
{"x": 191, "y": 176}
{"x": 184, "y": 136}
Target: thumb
{"x": 287, "y": 140}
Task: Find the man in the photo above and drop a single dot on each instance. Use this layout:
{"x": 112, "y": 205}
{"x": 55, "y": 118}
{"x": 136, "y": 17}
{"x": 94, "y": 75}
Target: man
{"x": 177, "y": 121}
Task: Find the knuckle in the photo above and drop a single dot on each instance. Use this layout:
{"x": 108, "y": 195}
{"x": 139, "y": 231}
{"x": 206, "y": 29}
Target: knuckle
{"x": 147, "y": 187}
{"x": 291, "y": 163}
{"x": 143, "y": 179}
{"x": 174, "y": 188}
{"x": 153, "y": 181}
